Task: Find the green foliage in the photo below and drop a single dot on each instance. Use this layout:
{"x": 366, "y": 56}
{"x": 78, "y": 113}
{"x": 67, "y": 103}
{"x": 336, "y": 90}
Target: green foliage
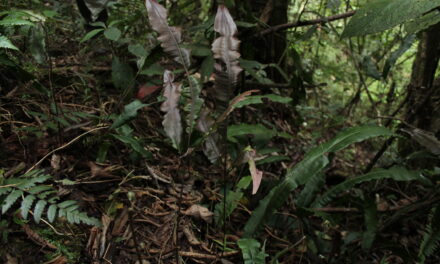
{"x": 28, "y": 188}
{"x": 380, "y": 15}
{"x": 231, "y": 202}
{"x": 391, "y": 61}
{"x": 91, "y": 34}
{"x": 252, "y": 254}
{"x": 122, "y": 74}
{"x": 129, "y": 113}
{"x": 5, "y": 43}
{"x": 423, "y": 22}
{"x": 395, "y": 173}
{"x": 371, "y": 224}
{"x": 313, "y": 162}
{"x": 431, "y": 236}
{"x": 257, "y": 99}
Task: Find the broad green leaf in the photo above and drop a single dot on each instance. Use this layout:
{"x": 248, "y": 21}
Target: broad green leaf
{"x": 395, "y": 55}
{"x": 258, "y": 99}
{"x": 423, "y": 22}
{"x": 395, "y": 173}
{"x": 134, "y": 144}
{"x": 250, "y": 248}
{"x": 232, "y": 200}
{"x": 122, "y": 74}
{"x": 313, "y": 162}
{"x": 91, "y": 34}
{"x": 380, "y": 15}
{"x": 26, "y": 205}
{"x": 5, "y": 43}
{"x": 248, "y": 129}
{"x": 130, "y": 112}
{"x": 9, "y": 22}
{"x": 138, "y": 50}
{"x": 155, "y": 69}
{"x": 112, "y": 33}
{"x": 10, "y": 200}
{"x": 51, "y": 212}
{"x": 38, "y": 210}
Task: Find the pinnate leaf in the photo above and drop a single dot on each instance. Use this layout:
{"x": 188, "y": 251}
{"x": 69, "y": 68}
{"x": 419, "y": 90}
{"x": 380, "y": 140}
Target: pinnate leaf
{"x": 38, "y": 210}
{"x": 169, "y": 37}
{"x": 26, "y": 205}
{"x": 10, "y": 200}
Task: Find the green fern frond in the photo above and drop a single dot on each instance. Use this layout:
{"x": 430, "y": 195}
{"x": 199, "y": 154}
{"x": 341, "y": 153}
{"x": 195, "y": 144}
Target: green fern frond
{"x": 431, "y": 236}
{"x": 395, "y": 173}
{"x": 40, "y": 198}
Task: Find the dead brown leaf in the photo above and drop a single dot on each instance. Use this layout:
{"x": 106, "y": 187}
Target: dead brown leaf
{"x": 199, "y": 212}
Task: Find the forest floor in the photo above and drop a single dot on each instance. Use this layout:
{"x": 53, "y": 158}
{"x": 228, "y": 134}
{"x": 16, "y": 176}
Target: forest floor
{"x": 159, "y": 208}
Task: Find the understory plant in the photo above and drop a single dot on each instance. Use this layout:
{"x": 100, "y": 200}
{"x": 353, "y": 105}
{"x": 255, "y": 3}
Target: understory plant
{"x": 212, "y": 122}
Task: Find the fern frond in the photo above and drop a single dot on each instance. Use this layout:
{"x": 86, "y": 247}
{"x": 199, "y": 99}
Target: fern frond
{"x": 26, "y": 205}
{"x": 395, "y": 173}
{"x": 11, "y": 199}
{"x": 169, "y": 37}
{"x": 44, "y": 197}
{"x": 225, "y": 49}
{"x": 38, "y": 210}
{"x": 431, "y": 237}
{"x": 312, "y": 187}
{"x": 172, "y": 121}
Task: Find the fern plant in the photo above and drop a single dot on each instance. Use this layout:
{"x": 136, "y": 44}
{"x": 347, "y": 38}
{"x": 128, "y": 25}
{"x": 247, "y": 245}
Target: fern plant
{"x": 431, "y": 236}
{"x": 37, "y": 197}
{"x": 308, "y": 172}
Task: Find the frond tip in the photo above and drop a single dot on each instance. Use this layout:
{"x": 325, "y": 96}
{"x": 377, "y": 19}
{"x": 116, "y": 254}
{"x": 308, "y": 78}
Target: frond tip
{"x": 169, "y": 37}
{"x": 225, "y": 49}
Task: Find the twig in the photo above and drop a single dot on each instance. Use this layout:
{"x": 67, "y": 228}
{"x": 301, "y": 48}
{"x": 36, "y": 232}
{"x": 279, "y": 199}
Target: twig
{"x": 64, "y": 146}
{"x": 305, "y": 23}
{"x": 133, "y": 234}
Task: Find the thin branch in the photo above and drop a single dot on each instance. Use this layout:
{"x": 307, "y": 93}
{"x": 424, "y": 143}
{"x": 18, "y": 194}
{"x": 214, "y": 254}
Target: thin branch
{"x": 305, "y": 23}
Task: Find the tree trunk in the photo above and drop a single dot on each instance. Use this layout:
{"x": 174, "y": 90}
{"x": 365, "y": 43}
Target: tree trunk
{"x": 270, "y": 48}
{"x": 424, "y": 92}
{"x": 423, "y": 107}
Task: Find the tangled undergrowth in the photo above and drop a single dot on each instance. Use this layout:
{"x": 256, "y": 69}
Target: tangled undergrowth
{"x": 183, "y": 160}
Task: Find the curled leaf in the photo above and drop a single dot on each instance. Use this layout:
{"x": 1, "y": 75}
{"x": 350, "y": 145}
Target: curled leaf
{"x": 256, "y": 174}
{"x": 200, "y": 212}
{"x": 169, "y": 37}
{"x": 172, "y": 120}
